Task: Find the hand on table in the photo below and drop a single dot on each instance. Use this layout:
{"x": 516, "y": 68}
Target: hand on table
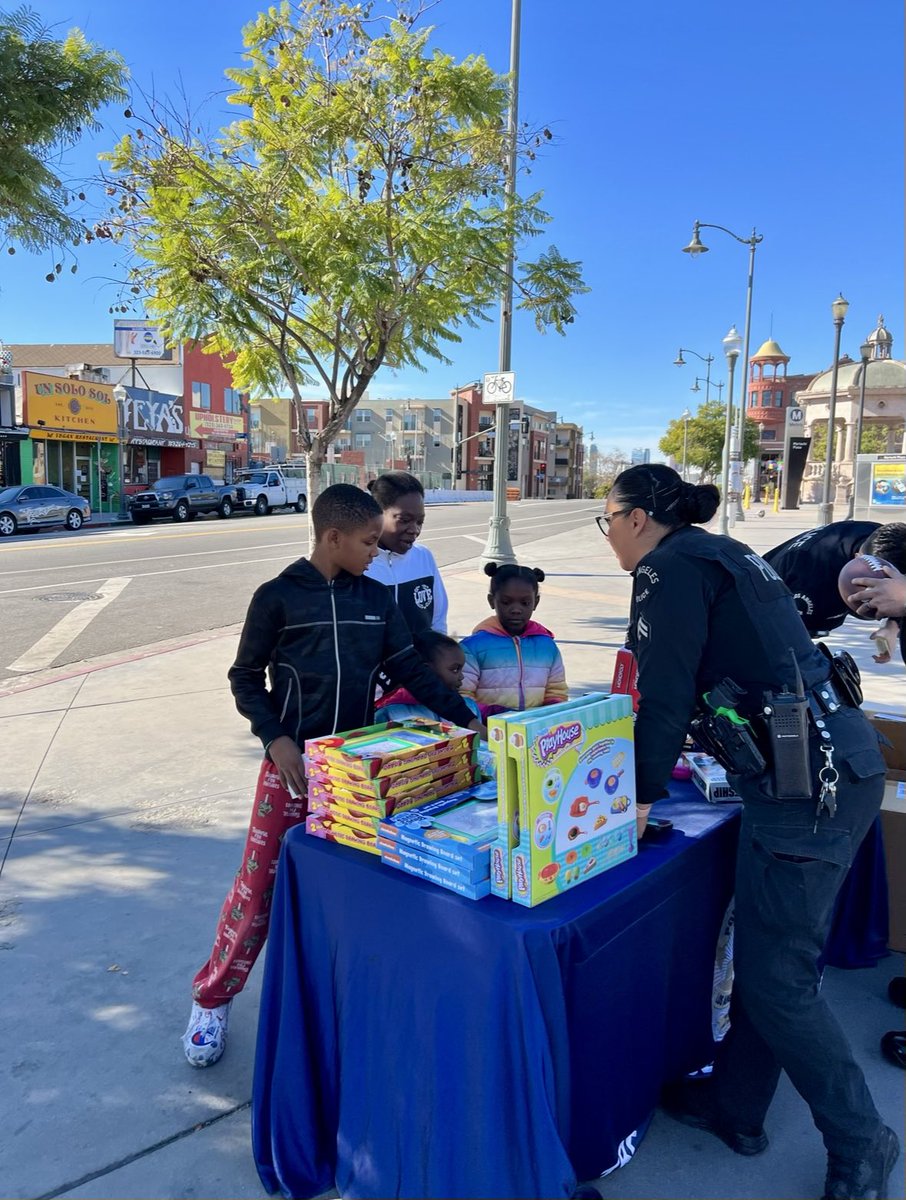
{"x": 287, "y": 758}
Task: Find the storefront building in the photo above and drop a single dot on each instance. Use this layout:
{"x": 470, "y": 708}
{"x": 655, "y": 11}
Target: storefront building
{"x": 72, "y": 427}
{"x": 13, "y": 436}
{"x": 223, "y": 443}
{"x": 156, "y": 437}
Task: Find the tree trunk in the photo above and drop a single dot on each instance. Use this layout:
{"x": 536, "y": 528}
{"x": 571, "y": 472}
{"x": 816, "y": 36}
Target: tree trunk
{"x": 314, "y": 458}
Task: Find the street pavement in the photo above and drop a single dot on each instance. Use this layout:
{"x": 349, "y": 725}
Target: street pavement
{"x": 126, "y": 786}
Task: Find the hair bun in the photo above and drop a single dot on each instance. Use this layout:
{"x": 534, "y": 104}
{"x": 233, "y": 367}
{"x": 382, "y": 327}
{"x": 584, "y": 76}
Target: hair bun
{"x": 538, "y": 573}
{"x": 490, "y": 568}
{"x": 370, "y": 485}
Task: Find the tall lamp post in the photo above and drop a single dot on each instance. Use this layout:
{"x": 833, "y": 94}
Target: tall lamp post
{"x": 696, "y": 387}
{"x": 686, "y": 416}
{"x": 695, "y": 248}
{"x": 731, "y": 344}
{"x": 679, "y": 361}
{"x": 120, "y": 395}
{"x": 865, "y": 351}
{"x": 499, "y": 547}
{"x": 838, "y": 308}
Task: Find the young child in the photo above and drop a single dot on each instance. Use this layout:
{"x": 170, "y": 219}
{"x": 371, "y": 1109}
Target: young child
{"x": 317, "y": 635}
{"x": 512, "y": 662}
{"x": 407, "y": 569}
{"x": 446, "y": 658}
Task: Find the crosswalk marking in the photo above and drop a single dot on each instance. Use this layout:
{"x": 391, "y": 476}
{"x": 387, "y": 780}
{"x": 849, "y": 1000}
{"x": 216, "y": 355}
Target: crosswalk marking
{"x": 66, "y": 630}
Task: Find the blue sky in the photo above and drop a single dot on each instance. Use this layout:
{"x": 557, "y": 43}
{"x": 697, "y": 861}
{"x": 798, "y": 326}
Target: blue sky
{"x": 786, "y": 117}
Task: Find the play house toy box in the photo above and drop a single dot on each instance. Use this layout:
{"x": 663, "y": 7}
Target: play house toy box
{"x": 566, "y": 806}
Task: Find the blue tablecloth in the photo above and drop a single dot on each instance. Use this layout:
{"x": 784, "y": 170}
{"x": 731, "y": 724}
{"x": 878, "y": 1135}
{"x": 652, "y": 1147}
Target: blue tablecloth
{"x": 416, "y": 1044}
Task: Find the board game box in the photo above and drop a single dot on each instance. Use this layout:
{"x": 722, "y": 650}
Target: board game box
{"x": 383, "y": 750}
{"x": 429, "y": 871}
{"x": 576, "y": 785}
{"x": 389, "y": 787}
{"x": 326, "y": 826}
{"x": 326, "y": 792}
{"x": 459, "y": 836}
{"x": 508, "y": 789}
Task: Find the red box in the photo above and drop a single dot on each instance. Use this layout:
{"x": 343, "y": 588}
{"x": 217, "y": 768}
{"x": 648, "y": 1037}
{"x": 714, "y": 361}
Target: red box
{"x": 626, "y": 677}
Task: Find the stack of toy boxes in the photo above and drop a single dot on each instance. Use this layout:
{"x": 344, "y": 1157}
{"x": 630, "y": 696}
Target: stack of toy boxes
{"x": 355, "y": 779}
{"x": 447, "y": 841}
{"x": 566, "y": 795}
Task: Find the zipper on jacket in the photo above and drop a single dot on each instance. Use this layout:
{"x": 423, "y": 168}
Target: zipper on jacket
{"x": 336, "y": 651}
{"x": 518, "y": 644}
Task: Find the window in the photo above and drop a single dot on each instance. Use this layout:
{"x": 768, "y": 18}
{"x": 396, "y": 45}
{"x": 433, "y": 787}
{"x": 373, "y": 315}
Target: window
{"x": 409, "y": 420}
{"x": 201, "y": 395}
{"x": 362, "y": 440}
{"x": 438, "y": 416}
{"x": 485, "y": 421}
{"x": 767, "y": 435}
{"x": 362, "y": 415}
{"x": 231, "y": 401}
{"x": 778, "y": 399}
{"x": 388, "y": 416}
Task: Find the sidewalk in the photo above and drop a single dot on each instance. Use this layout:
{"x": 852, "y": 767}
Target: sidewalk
{"x": 126, "y": 789}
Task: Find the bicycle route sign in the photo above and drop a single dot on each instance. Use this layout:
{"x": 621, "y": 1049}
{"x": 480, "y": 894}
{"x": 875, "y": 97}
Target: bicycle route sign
{"x": 499, "y": 387}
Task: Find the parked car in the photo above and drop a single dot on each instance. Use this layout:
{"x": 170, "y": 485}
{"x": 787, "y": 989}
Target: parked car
{"x": 182, "y": 498}
{"x": 267, "y": 488}
{"x": 36, "y": 506}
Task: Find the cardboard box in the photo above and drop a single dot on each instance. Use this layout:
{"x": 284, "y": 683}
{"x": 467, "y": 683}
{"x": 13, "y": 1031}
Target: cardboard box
{"x": 710, "y": 778}
{"x": 384, "y": 750}
{"x": 324, "y": 791}
{"x": 576, "y": 784}
{"x": 472, "y": 891}
{"x": 331, "y": 830}
{"x": 459, "y": 835}
{"x": 893, "y": 820}
{"x": 626, "y": 677}
{"x": 508, "y": 789}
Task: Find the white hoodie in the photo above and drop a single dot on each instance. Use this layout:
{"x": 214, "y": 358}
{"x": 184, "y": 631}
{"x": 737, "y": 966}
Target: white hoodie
{"x": 416, "y": 584}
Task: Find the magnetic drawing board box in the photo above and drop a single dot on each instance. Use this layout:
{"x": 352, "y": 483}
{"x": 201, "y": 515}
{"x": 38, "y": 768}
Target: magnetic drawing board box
{"x": 576, "y": 782}
{"x": 414, "y": 855}
{"x": 472, "y": 891}
{"x": 461, "y": 836}
{"x": 390, "y": 748}
{"x": 508, "y": 789}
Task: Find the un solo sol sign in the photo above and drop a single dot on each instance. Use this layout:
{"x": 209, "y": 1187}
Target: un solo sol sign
{"x": 68, "y": 409}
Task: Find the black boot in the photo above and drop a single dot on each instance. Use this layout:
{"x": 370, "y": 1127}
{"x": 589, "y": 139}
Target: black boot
{"x": 896, "y": 990}
{"x": 692, "y": 1103}
{"x": 865, "y": 1179}
{"x": 893, "y": 1047}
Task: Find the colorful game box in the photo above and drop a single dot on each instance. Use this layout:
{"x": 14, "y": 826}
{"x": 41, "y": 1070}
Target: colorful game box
{"x": 384, "y": 750}
{"x": 429, "y": 870}
{"x": 428, "y": 789}
{"x": 508, "y": 789}
{"x": 328, "y": 827}
{"x": 459, "y": 836}
{"x": 576, "y": 783}
{"x": 391, "y": 787}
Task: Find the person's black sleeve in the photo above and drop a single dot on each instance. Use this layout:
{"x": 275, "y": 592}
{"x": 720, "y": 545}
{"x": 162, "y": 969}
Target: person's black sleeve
{"x": 671, "y": 628}
{"x": 248, "y": 674}
{"x": 403, "y": 664}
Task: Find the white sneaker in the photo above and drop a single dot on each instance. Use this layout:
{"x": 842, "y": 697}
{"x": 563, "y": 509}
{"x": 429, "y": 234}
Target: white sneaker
{"x": 205, "y": 1038}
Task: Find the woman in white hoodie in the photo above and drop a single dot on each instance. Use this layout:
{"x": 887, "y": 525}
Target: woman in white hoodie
{"x": 407, "y": 569}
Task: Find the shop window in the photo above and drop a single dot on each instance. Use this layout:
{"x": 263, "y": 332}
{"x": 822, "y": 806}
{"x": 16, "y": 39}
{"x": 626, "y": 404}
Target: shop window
{"x": 201, "y": 395}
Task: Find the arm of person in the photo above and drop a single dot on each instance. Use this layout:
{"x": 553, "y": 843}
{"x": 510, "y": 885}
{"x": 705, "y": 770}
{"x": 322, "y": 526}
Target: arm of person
{"x": 556, "y": 689}
{"x": 404, "y": 665}
{"x": 248, "y": 683}
{"x": 441, "y": 603}
{"x": 671, "y": 629}
{"x": 884, "y": 638}
{"x": 881, "y": 597}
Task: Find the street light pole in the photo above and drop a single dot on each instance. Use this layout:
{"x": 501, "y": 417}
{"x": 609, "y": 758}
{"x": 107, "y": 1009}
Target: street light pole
{"x": 838, "y": 308}
{"x": 731, "y": 348}
{"x": 120, "y": 395}
{"x": 685, "y": 419}
{"x": 865, "y": 351}
{"x": 695, "y": 248}
{"x": 499, "y": 547}
{"x": 679, "y": 361}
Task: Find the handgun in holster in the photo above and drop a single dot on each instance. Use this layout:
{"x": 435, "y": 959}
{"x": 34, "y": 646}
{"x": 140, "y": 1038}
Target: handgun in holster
{"x": 786, "y": 721}
{"x": 724, "y": 734}
{"x": 845, "y": 674}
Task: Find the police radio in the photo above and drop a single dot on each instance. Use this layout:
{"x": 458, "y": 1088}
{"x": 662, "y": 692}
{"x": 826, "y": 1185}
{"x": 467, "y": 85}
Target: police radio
{"x": 786, "y": 721}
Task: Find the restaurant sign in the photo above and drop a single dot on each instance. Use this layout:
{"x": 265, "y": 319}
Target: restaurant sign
{"x": 155, "y": 419}
{"x": 68, "y": 409}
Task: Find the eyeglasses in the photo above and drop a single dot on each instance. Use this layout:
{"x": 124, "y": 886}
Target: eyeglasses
{"x": 603, "y": 522}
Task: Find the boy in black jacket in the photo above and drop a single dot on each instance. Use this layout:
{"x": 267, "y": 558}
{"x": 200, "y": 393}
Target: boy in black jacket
{"x": 317, "y": 634}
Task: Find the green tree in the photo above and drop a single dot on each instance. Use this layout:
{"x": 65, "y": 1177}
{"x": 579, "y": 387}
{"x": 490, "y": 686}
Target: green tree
{"x": 50, "y": 90}
{"x": 353, "y": 217}
{"x": 704, "y": 439}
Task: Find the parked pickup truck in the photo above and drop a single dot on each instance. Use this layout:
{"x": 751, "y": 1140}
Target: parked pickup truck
{"x": 266, "y": 488}
{"x": 182, "y": 498}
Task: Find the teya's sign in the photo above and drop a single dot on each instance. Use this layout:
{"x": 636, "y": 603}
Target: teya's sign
{"x": 154, "y": 418}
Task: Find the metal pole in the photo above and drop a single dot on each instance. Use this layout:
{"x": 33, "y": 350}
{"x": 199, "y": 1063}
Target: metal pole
{"x": 725, "y": 472}
{"x": 741, "y": 415}
{"x": 499, "y": 547}
{"x": 857, "y": 441}
{"x": 122, "y": 516}
{"x": 685, "y": 435}
{"x": 708, "y": 361}
{"x": 827, "y": 505}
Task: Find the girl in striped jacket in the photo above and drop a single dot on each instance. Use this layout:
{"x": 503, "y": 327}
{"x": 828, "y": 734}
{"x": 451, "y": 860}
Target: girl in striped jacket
{"x": 512, "y": 662}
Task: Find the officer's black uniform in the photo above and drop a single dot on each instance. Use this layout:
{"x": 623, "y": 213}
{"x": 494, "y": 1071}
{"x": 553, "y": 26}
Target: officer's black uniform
{"x": 810, "y": 564}
{"x": 704, "y": 608}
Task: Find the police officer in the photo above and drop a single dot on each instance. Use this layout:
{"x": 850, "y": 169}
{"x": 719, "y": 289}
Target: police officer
{"x": 705, "y": 608}
{"x": 810, "y": 564}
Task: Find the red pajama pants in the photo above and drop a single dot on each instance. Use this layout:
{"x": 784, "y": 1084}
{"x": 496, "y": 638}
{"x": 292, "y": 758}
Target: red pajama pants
{"x": 246, "y": 912}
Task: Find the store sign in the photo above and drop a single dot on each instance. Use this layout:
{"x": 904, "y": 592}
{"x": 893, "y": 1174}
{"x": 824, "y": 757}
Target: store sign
{"x": 215, "y": 458}
{"x": 155, "y": 419}
{"x": 139, "y": 339}
{"x": 69, "y": 409}
{"x": 217, "y": 426}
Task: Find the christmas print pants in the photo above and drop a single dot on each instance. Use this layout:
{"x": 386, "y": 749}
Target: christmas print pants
{"x": 246, "y": 913}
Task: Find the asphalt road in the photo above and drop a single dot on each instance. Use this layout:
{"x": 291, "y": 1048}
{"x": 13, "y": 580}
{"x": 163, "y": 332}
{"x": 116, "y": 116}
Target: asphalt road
{"x": 66, "y": 597}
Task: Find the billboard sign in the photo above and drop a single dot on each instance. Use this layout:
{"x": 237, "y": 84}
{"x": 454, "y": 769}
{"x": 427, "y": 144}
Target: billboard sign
{"x": 139, "y": 339}
{"x": 69, "y": 410}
